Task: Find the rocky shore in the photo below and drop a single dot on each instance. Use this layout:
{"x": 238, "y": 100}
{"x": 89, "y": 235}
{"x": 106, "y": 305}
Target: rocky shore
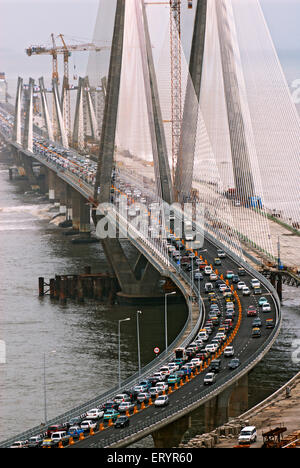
{"x": 280, "y": 409}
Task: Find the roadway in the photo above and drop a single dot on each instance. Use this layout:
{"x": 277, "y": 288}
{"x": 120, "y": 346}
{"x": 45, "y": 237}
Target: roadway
{"x": 244, "y": 346}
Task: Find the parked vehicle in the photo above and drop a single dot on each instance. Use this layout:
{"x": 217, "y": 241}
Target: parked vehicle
{"x": 248, "y": 435}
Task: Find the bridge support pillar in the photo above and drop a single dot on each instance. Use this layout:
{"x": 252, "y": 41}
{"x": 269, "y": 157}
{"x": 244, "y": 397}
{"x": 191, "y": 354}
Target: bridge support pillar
{"x": 229, "y": 404}
{"x": 61, "y": 195}
{"x": 85, "y": 216}
{"x": 172, "y": 435}
{"x": 276, "y": 281}
{"x": 43, "y": 180}
{"x": 26, "y": 163}
{"x": 75, "y": 210}
{"x": 52, "y": 186}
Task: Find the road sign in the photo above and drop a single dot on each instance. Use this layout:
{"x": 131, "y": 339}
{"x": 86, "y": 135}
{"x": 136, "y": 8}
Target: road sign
{"x": 156, "y": 350}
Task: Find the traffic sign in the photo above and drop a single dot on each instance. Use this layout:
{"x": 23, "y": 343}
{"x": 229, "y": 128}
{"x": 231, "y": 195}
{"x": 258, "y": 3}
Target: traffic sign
{"x": 156, "y": 350}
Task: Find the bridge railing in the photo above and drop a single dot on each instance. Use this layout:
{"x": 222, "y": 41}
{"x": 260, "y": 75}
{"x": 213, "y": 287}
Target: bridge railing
{"x": 191, "y": 402}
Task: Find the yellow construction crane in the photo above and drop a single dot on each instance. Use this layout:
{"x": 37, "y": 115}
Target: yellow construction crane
{"x": 66, "y": 51}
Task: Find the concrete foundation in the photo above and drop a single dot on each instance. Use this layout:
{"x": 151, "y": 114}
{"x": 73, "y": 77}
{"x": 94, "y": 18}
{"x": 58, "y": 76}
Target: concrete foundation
{"x": 171, "y": 436}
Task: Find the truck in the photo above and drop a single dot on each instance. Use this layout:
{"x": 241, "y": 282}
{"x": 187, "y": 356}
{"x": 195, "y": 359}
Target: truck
{"x": 180, "y": 353}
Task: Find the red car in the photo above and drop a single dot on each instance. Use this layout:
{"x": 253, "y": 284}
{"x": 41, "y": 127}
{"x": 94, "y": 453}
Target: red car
{"x": 55, "y": 428}
{"x": 251, "y": 312}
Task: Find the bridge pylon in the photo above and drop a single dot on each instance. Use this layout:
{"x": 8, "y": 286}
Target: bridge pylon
{"x": 140, "y": 281}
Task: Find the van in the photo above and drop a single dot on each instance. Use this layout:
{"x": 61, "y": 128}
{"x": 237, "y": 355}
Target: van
{"x": 248, "y": 435}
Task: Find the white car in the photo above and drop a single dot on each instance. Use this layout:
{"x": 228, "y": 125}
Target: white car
{"x": 212, "y": 348}
{"x": 209, "y": 379}
{"x": 94, "y": 413}
{"x": 173, "y": 367}
{"x": 189, "y": 236}
{"x": 241, "y": 285}
{"x": 255, "y": 283}
{"x": 222, "y": 336}
{"x": 213, "y": 277}
{"x": 196, "y": 361}
{"x": 229, "y": 351}
{"x": 203, "y": 335}
{"x": 162, "y": 386}
{"x": 18, "y": 444}
{"x": 247, "y": 435}
{"x": 221, "y": 254}
{"x": 120, "y": 398}
{"x": 162, "y": 400}
{"x": 165, "y": 370}
{"x": 266, "y": 307}
{"x": 87, "y": 425}
{"x": 208, "y": 270}
{"x": 246, "y": 291}
{"x": 161, "y": 377}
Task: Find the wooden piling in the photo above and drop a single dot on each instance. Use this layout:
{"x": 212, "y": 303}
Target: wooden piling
{"x": 52, "y": 288}
{"x": 41, "y": 287}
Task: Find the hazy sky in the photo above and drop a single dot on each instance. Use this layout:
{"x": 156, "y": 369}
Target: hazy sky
{"x": 28, "y": 22}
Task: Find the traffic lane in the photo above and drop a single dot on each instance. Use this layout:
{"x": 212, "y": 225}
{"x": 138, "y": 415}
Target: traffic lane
{"x": 244, "y": 346}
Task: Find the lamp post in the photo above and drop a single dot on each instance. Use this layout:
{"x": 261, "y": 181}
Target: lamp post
{"x": 139, "y": 312}
{"x": 166, "y": 317}
{"x": 119, "y": 339}
{"x": 45, "y": 388}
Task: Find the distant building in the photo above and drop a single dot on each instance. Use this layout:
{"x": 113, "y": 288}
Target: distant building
{"x": 3, "y": 88}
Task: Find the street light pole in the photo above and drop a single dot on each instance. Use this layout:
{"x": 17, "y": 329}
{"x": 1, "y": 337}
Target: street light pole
{"x": 45, "y": 389}
{"x": 166, "y": 317}
{"x": 139, "y": 312}
{"x": 119, "y": 340}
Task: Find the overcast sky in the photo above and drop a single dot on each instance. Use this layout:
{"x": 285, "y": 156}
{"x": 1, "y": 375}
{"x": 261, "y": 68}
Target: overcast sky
{"x": 28, "y": 22}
